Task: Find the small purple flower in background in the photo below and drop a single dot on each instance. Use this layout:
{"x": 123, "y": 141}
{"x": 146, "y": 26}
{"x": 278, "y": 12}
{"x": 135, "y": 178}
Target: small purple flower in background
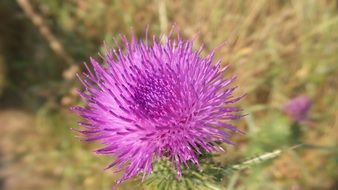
{"x": 298, "y": 108}
{"x": 158, "y": 100}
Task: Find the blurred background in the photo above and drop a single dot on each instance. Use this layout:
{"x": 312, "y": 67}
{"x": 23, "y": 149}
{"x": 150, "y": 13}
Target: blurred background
{"x": 279, "y": 49}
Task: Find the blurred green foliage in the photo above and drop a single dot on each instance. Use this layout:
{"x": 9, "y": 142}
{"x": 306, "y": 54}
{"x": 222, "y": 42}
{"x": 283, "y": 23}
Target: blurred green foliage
{"x": 278, "y": 49}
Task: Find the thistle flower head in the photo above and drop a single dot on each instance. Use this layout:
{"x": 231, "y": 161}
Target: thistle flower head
{"x": 153, "y": 101}
{"x": 298, "y": 108}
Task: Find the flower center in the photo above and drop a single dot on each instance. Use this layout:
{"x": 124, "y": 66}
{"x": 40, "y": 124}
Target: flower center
{"x": 153, "y": 96}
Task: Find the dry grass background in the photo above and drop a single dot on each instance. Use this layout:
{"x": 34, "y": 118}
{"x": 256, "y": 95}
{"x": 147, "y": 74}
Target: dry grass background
{"x": 278, "y": 49}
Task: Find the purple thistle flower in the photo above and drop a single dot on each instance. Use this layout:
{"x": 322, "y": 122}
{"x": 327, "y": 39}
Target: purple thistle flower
{"x": 162, "y": 100}
{"x": 298, "y": 108}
